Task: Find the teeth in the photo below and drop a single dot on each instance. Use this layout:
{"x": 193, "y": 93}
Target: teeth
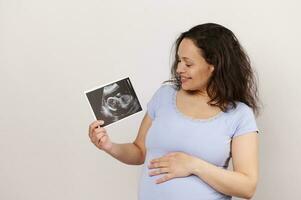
{"x": 184, "y": 79}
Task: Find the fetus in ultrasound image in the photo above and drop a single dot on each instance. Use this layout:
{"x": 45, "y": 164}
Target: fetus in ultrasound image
{"x": 118, "y": 102}
{"x": 115, "y": 101}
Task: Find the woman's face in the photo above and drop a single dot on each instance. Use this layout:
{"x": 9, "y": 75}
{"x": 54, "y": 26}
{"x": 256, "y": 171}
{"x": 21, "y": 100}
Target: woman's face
{"x": 192, "y": 67}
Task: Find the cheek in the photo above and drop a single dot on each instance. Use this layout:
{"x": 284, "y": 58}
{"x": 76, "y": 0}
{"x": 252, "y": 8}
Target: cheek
{"x": 201, "y": 76}
{"x": 197, "y": 74}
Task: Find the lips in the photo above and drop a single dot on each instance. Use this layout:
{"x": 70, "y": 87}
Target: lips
{"x": 184, "y": 77}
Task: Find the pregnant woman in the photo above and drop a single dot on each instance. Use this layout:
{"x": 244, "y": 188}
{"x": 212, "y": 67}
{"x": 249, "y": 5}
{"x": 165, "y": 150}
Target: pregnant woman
{"x": 196, "y": 122}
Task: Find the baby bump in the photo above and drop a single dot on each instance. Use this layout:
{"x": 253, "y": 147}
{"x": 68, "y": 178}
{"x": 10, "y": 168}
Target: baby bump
{"x": 190, "y": 187}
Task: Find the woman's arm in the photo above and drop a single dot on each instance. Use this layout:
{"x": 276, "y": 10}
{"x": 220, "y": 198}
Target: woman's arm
{"x": 133, "y": 153}
{"x": 242, "y": 181}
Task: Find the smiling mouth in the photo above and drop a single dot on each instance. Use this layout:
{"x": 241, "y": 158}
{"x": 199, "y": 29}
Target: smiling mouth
{"x": 185, "y": 78}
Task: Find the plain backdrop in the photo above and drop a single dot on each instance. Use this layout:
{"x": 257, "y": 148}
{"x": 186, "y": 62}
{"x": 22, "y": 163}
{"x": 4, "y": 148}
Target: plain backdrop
{"x": 51, "y": 51}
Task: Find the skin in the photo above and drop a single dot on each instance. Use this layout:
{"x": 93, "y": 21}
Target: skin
{"x": 243, "y": 180}
{"x": 193, "y": 91}
{"x": 192, "y": 64}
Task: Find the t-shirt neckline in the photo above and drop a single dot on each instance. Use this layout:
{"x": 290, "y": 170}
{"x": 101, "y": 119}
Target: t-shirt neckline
{"x": 174, "y": 96}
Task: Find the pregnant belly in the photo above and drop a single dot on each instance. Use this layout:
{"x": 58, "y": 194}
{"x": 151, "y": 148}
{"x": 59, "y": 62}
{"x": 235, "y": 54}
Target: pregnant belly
{"x": 190, "y": 187}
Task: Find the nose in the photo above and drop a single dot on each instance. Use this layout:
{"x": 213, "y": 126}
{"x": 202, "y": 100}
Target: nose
{"x": 180, "y": 69}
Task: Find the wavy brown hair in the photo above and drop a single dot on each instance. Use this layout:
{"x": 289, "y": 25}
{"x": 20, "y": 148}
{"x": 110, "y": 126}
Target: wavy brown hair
{"x": 233, "y": 78}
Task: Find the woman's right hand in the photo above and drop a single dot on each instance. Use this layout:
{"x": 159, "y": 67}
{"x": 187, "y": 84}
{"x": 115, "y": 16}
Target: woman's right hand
{"x": 99, "y": 137}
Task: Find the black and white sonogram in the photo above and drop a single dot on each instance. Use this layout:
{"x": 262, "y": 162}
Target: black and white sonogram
{"x": 114, "y": 101}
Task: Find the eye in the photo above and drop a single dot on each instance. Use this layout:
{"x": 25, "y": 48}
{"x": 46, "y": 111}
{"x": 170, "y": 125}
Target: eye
{"x": 188, "y": 65}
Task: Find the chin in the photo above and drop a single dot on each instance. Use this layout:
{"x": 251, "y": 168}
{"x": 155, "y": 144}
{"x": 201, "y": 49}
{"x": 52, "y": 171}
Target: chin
{"x": 185, "y": 87}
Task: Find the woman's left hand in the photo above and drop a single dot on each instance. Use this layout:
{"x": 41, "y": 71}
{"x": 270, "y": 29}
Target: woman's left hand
{"x": 175, "y": 164}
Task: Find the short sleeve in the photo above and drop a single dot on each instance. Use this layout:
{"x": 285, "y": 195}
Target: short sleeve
{"x": 153, "y": 103}
{"x": 246, "y": 121}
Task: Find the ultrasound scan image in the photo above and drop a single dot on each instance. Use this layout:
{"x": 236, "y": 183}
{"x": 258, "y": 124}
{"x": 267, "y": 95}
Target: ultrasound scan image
{"x": 114, "y": 101}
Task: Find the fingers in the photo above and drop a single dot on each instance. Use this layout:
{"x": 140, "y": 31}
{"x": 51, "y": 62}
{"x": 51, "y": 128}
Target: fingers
{"x": 159, "y": 171}
{"x": 102, "y": 139}
{"x": 158, "y": 165}
{"x": 98, "y": 131}
{"x": 97, "y": 139}
{"x": 97, "y": 134}
{"x": 94, "y": 125}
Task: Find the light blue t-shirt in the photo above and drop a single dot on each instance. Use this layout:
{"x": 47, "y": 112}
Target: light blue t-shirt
{"x": 208, "y": 139}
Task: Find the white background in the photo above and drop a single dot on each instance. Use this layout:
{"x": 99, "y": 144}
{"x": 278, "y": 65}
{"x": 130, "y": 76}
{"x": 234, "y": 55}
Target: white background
{"x": 51, "y": 51}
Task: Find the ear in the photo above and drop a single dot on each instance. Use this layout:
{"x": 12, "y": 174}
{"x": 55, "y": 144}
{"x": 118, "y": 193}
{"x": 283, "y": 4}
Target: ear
{"x": 211, "y": 68}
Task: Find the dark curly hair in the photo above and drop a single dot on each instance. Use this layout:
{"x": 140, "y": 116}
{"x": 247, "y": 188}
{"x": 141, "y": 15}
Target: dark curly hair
{"x": 233, "y": 79}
